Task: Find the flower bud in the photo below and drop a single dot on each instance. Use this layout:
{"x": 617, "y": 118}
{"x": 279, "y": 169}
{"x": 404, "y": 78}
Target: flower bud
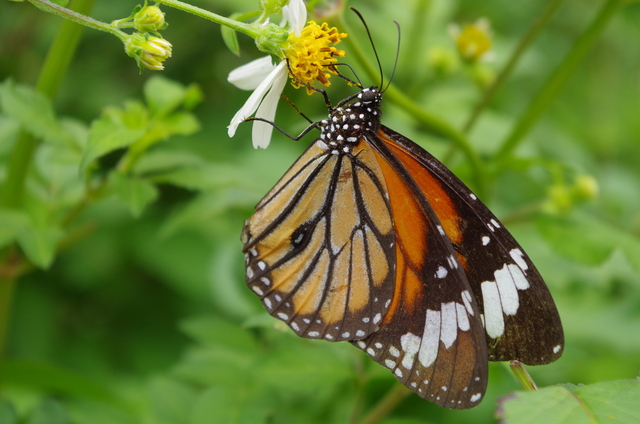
{"x": 473, "y": 40}
{"x": 149, "y": 19}
{"x": 148, "y": 51}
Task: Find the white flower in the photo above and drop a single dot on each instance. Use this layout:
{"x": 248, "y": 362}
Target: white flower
{"x": 267, "y": 80}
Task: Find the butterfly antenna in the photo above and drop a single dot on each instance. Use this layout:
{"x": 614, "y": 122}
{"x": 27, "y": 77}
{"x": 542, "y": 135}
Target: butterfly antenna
{"x": 372, "y": 44}
{"x": 395, "y": 64}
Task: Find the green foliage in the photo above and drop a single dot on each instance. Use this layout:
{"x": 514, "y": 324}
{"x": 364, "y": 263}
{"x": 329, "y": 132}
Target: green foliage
{"x": 611, "y": 401}
{"x": 129, "y": 299}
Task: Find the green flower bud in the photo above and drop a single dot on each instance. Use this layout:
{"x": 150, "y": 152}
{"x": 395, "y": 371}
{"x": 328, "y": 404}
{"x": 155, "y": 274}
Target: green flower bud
{"x": 149, "y": 19}
{"x": 443, "y": 61}
{"x": 585, "y": 188}
{"x": 148, "y": 51}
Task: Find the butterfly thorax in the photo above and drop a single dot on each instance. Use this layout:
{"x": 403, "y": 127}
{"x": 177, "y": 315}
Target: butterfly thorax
{"x": 347, "y": 124}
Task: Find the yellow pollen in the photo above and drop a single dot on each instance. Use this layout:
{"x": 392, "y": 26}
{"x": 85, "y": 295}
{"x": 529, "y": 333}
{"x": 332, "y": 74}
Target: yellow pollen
{"x": 312, "y": 55}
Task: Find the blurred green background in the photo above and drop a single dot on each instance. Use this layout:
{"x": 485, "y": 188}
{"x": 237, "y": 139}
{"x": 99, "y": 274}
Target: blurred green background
{"x": 148, "y": 320}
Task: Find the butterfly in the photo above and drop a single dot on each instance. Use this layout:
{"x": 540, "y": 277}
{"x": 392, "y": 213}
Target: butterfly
{"x": 369, "y": 239}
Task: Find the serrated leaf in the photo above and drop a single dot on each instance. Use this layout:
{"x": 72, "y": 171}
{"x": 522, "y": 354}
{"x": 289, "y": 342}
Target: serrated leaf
{"x": 33, "y": 110}
{"x": 163, "y": 95}
{"x": 588, "y": 240}
{"x": 49, "y": 412}
{"x": 607, "y": 402}
{"x": 115, "y": 129}
{"x": 134, "y": 192}
{"x": 230, "y": 38}
{"x": 12, "y": 223}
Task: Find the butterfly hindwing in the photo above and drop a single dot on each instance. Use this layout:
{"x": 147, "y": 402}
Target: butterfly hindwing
{"x": 521, "y": 320}
{"x": 431, "y": 337}
{"x": 317, "y": 247}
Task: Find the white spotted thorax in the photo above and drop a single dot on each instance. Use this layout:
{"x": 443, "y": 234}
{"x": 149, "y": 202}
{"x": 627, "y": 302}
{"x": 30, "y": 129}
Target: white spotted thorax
{"x": 340, "y": 132}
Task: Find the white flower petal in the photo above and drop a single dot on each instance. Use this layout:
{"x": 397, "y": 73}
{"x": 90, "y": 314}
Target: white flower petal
{"x": 250, "y": 75}
{"x": 256, "y": 97}
{"x": 296, "y": 14}
{"x": 261, "y": 132}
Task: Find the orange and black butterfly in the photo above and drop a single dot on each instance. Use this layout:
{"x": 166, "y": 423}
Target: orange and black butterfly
{"x": 370, "y": 239}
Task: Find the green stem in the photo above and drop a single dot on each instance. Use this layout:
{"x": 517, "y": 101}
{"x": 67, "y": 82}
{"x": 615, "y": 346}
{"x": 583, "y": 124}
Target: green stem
{"x": 77, "y": 16}
{"x": 429, "y": 120}
{"x": 247, "y": 29}
{"x": 387, "y": 404}
{"x": 557, "y": 80}
{"x": 505, "y": 73}
{"x": 7, "y": 284}
{"x": 522, "y": 376}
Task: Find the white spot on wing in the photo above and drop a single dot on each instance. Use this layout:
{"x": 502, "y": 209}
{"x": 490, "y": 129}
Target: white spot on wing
{"x": 295, "y": 326}
{"x": 463, "y": 319}
{"x": 394, "y": 351}
{"x": 476, "y": 397}
{"x": 398, "y": 372}
{"x": 495, "y": 223}
{"x": 473, "y": 196}
{"x": 508, "y": 291}
{"x": 257, "y": 290}
{"x": 313, "y": 334}
{"x": 494, "y": 322}
{"x": 267, "y": 302}
{"x": 430, "y": 338}
{"x": 360, "y": 333}
{"x": 441, "y": 272}
{"x": 377, "y": 318}
{"x": 449, "y": 327}
{"x": 485, "y": 240}
{"x": 410, "y": 344}
{"x": 557, "y": 348}
{"x": 519, "y": 279}
{"x": 466, "y": 299}
{"x": 283, "y": 316}
{"x": 389, "y": 363}
{"x": 442, "y": 233}
{"x": 517, "y": 256}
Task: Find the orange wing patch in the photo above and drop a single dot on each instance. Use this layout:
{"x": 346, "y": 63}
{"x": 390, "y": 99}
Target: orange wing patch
{"x": 438, "y": 198}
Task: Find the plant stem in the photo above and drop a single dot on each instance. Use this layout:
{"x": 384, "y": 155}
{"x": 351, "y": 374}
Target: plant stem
{"x": 557, "y": 80}
{"x": 505, "y": 73}
{"x": 387, "y": 404}
{"x": 77, "y": 15}
{"x": 435, "y": 124}
{"x": 247, "y": 29}
{"x": 522, "y": 376}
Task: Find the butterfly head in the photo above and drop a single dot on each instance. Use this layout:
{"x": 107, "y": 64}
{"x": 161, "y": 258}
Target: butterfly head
{"x": 347, "y": 124}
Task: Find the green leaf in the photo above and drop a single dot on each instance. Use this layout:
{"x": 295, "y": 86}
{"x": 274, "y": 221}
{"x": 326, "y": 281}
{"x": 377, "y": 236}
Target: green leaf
{"x": 49, "y": 412}
{"x": 39, "y": 243}
{"x": 163, "y": 95}
{"x": 607, "y": 402}
{"x": 171, "y": 401}
{"x": 183, "y": 123}
{"x": 210, "y": 330}
{"x": 134, "y": 192}
{"x": 33, "y": 110}
{"x": 115, "y": 129}
{"x": 230, "y": 37}
{"x": 233, "y": 405}
{"x": 40, "y": 376}
{"x": 205, "y": 207}
{"x": 317, "y": 365}
{"x": 588, "y": 240}
{"x": 12, "y": 223}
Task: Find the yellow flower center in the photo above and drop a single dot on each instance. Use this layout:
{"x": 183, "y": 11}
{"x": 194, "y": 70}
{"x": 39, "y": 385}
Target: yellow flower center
{"x": 311, "y": 56}
{"x": 473, "y": 41}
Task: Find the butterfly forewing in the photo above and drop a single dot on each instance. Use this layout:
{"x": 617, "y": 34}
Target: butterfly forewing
{"x": 521, "y": 320}
{"x": 318, "y": 247}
